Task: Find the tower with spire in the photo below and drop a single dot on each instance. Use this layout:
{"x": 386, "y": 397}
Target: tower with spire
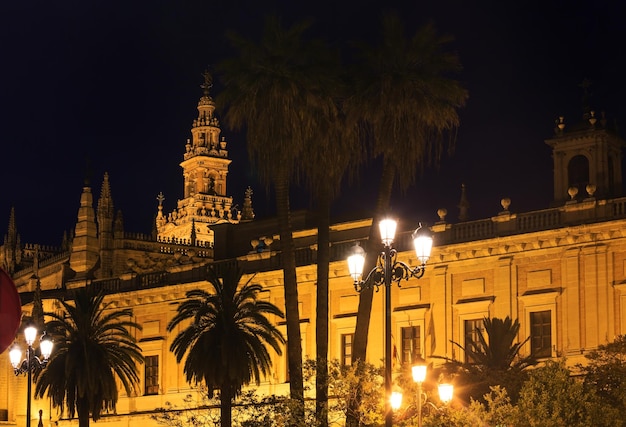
{"x": 205, "y": 168}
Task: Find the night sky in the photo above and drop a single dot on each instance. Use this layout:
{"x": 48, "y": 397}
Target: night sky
{"x": 115, "y": 84}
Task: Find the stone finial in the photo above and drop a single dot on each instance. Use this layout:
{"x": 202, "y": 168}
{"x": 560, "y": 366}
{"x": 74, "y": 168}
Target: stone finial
{"x": 592, "y": 119}
{"x": 442, "y": 212}
{"x": 505, "y": 202}
{"x": 591, "y": 189}
{"x": 573, "y": 192}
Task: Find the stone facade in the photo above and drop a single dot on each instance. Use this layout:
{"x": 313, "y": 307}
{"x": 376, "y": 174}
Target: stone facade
{"x": 560, "y": 271}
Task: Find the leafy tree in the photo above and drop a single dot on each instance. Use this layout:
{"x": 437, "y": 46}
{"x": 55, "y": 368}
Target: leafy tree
{"x": 224, "y": 346}
{"x": 606, "y": 373}
{"x": 93, "y": 349}
{"x": 200, "y": 408}
{"x": 553, "y": 398}
{"x": 251, "y": 410}
{"x": 407, "y": 102}
{"x": 492, "y": 359}
{"x": 365, "y": 407}
{"x": 496, "y": 408}
{"x": 274, "y": 88}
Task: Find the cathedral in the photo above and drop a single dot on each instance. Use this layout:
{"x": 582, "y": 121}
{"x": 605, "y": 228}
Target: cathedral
{"x": 561, "y": 271}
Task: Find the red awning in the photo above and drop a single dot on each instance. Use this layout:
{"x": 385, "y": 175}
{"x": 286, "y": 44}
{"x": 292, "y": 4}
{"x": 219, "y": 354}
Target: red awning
{"x": 10, "y": 310}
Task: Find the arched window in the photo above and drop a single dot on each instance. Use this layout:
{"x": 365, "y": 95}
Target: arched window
{"x": 578, "y": 172}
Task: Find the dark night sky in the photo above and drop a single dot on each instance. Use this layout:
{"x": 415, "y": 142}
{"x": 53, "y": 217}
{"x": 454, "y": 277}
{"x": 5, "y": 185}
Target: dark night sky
{"x": 118, "y": 81}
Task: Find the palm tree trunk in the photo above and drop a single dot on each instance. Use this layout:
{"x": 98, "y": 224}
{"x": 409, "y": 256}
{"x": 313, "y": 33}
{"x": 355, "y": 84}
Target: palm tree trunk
{"x": 82, "y": 408}
{"x": 292, "y": 315}
{"x": 321, "y": 332}
{"x": 226, "y": 406}
{"x": 359, "y": 346}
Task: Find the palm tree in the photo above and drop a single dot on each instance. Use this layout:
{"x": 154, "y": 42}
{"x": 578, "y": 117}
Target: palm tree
{"x": 408, "y": 105}
{"x": 93, "y": 349}
{"x": 224, "y": 346}
{"x": 497, "y": 350}
{"x": 492, "y": 358}
{"x": 333, "y": 151}
{"x": 332, "y": 154}
{"x": 273, "y": 88}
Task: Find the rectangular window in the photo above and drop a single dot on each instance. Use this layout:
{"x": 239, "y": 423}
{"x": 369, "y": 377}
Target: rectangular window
{"x": 346, "y": 349}
{"x": 151, "y": 375}
{"x": 411, "y": 345}
{"x": 473, "y": 329}
{"x": 541, "y": 333}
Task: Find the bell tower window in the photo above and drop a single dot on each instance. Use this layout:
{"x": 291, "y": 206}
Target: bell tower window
{"x": 578, "y": 172}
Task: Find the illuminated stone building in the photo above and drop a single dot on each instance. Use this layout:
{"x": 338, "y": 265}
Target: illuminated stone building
{"x": 561, "y": 271}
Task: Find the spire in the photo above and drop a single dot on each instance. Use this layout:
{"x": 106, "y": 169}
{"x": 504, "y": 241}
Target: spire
{"x": 105, "y": 202}
{"x": 463, "y": 205}
{"x": 37, "y": 314}
{"x": 118, "y": 226}
{"x": 105, "y": 227}
{"x": 192, "y": 237}
{"x": 85, "y": 246}
{"x": 11, "y": 248}
{"x": 247, "y": 213}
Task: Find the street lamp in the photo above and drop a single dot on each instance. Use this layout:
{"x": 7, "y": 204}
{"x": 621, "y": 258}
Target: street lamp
{"x": 396, "y": 400}
{"x": 31, "y": 362}
{"x": 419, "y": 376}
{"x": 446, "y": 391}
{"x": 387, "y": 271}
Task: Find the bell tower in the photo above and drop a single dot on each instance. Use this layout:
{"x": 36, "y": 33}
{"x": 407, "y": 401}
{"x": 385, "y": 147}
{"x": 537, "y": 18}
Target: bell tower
{"x": 205, "y": 167}
{"x": 587, "y": 158}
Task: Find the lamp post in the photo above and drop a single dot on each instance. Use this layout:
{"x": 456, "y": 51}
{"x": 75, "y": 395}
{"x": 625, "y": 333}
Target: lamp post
{"x": 419, "y": 376}
{"x": 387, "y": 271}
{"x": 31, "y": 362}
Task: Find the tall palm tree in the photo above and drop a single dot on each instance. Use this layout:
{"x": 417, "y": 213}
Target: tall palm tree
{"x": 224, "y": 346}
{"x": 273, "y": 89}
{"x": 93, "y": 349}
{"x": 408, "y": 105}
{"x": 331, "y": 156}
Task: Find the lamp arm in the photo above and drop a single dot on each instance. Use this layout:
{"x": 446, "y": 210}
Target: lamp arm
{"x": 39, "y": 362}
{"x": 402, "y": 271}
{"x": 35, "y": 361}
{"x": 22, "y": 368}
{"x": 399, "y": 271}
{"x": 374, "y": 279}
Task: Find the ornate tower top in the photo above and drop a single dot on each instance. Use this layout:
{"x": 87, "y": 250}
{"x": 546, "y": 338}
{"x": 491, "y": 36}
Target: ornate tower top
{"x": 205, "y": 168}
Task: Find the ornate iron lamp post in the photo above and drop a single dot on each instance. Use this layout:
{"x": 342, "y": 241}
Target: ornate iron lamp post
{"x": 387, "y": 271}
{"x": 31, "y": 362}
